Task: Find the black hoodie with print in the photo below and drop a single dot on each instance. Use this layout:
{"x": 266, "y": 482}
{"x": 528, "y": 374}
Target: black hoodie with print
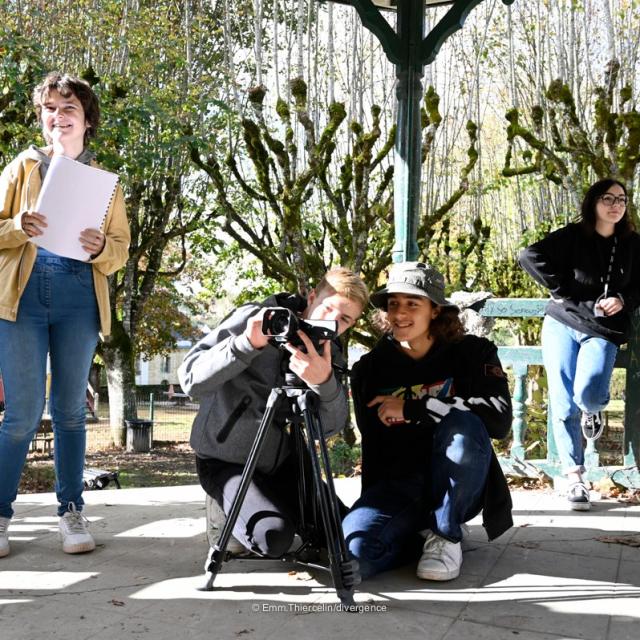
{"x": 465, "y": 375}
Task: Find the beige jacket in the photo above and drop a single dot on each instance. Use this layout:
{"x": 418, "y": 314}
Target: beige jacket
{"x": 20, "y": 184}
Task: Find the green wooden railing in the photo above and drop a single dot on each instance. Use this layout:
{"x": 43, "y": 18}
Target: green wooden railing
{"x": 520, "y": 358}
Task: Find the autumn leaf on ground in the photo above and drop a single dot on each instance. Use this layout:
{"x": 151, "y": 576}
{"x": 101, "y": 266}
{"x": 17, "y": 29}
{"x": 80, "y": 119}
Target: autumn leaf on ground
{"x": 631, "y": 541}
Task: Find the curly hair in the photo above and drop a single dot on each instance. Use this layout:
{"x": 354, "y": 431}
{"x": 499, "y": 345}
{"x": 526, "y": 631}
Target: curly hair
{"x": 66, "y": 86}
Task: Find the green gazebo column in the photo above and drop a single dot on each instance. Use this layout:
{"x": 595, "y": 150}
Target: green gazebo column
{"x": 408, "y": 165}
{"x": 410, "y": 51}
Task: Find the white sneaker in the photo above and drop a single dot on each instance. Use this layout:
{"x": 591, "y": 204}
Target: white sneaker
{"x": 441, "y": 559}
{"x": 74, "y": 532}
{"x": 4, "y": 537}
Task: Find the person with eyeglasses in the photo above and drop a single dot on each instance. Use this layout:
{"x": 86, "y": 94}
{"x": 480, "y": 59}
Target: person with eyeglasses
{"x": 592, "y": 271}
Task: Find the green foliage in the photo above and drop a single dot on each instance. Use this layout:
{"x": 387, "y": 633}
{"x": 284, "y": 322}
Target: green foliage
{"x": 233, "y": 276}
{"x": 21, "y": 66}
{"x": 158, "y": 78}
{"x": 266, "y": 213}
{"x": 165, "y": 318}
{"x": 343, "y": 457}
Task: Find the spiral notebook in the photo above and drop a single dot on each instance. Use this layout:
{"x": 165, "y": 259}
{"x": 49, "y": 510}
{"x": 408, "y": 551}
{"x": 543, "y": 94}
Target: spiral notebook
{"x": 73, "y": 197}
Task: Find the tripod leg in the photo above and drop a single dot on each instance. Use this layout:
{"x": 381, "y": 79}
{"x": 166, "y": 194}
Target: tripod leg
{"x": 306, "y": 498}
{"x": 218, "y": 555}
{"x": 344, "y": 569}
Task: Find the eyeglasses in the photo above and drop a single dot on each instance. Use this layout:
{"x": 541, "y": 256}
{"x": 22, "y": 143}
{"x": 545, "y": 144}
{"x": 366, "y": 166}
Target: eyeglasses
{"x": 610, "y": 200}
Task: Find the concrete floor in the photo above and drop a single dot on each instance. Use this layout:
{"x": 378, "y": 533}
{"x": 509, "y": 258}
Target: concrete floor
{"x": 550, "y": 577}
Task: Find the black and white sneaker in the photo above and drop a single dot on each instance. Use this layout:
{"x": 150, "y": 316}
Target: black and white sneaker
{"x": 592, "y": 425}
{"x": 578, "y": 497}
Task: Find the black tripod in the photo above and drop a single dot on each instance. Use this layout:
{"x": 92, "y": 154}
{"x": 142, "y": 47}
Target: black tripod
{"x": 303, "y": 404}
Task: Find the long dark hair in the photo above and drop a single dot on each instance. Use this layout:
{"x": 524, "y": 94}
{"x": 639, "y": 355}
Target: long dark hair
{"x": 588, "y": 211}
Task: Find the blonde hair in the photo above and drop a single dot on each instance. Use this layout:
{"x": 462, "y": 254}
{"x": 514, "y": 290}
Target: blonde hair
{"x": 345, "y": 283}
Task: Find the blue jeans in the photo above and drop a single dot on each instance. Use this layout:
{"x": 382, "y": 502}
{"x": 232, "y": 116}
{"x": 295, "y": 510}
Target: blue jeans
{"x": 579, "y": 369}
{"x": 382, "y": 528}
{"x": 58, "y": 314}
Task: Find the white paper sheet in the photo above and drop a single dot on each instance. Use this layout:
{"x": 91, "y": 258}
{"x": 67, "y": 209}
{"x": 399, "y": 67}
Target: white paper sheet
{"x": 74, "y": 197}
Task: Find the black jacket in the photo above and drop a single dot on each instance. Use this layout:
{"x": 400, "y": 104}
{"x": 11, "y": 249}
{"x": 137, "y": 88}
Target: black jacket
{"x": 466, "y": 375}
{"x": 572, "y": 263}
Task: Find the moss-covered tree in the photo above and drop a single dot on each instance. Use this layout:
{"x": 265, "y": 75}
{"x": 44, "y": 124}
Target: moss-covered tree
{"x": 573, "y": 149}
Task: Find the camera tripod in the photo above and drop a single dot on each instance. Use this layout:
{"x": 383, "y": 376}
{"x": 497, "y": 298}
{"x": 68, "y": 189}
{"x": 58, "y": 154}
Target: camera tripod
{"x": 303, "y": 405}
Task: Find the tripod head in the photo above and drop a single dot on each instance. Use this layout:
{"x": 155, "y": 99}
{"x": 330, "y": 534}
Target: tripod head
{"x": 293, "y": 381}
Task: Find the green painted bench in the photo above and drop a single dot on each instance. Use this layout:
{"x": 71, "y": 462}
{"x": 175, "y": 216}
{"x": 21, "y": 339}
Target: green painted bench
{"x": 520, "y": 358}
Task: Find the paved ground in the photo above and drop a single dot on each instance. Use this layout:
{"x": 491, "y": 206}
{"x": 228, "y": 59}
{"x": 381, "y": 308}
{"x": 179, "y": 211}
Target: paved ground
{"x": 550, "y": 577}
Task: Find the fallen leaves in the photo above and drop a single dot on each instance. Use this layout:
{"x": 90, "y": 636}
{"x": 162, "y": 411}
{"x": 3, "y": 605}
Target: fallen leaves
{"x": 608, "y": 488}
{"x": 168, "y": 463}
{"x": 523, "y": 482}
{"x": 630, "y": 541}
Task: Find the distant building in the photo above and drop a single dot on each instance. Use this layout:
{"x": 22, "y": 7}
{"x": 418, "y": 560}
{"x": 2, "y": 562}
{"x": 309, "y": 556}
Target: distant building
{"x": 162, "y": 370}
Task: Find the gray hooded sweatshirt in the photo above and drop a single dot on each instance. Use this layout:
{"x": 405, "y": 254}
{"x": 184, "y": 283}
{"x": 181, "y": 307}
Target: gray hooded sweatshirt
{"x": 233, "y": 381}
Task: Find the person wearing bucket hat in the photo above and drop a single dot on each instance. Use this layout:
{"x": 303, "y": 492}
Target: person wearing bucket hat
{"x": 427, "y": 400}
{"x": 415, "y": 278}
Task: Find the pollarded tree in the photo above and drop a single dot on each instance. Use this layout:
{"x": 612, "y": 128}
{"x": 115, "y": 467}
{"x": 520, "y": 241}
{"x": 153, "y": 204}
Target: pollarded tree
{"x": 267, "y": 217}
{"x": 299, "y": 205}
{"x": 566, "y": 149}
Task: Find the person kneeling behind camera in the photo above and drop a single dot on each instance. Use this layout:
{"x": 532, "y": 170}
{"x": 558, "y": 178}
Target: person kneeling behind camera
{"x": 232, "y": 372}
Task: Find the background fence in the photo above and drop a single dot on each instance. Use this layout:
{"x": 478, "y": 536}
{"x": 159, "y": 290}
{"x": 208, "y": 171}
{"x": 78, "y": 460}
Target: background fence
{"x": 171, "y": 418}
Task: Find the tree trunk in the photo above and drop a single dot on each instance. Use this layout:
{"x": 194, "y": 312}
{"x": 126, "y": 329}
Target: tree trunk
{"x": 121, "y": 379}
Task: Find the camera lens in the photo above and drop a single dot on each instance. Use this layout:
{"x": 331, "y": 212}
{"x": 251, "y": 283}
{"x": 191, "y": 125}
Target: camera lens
{"x": 279, "y": 323}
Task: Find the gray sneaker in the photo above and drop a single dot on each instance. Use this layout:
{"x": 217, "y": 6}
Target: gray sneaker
{"x": 4, "y": 537}
{"x": 441, "y": 559}
{"x": 216, "y": 517}
{"x": 74, "y": 532}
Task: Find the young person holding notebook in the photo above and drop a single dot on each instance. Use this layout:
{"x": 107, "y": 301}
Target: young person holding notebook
{"x": 50, "y": 304}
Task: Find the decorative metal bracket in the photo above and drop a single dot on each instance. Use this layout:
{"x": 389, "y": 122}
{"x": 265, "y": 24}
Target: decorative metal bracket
{"x": 395, "y": 47}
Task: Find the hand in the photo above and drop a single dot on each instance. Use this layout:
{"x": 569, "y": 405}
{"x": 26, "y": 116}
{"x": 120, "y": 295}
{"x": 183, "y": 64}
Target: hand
{"x": 610, "y": 306}
{"x": 92, "y": 241}
{"x": 253, "y": 331}
{"x": 390, "y": 410}
{"x": 311, "y": 367}
{"x": 33, "y": 223}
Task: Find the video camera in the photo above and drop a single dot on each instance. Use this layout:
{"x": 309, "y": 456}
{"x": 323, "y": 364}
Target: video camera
{"x": 282, "y": 326}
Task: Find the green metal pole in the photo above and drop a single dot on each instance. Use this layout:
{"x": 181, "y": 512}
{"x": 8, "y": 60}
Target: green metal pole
{"x": 410, "y": 51}
{"x": 631, "y": 449}
{"x": 407, "y": 168}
